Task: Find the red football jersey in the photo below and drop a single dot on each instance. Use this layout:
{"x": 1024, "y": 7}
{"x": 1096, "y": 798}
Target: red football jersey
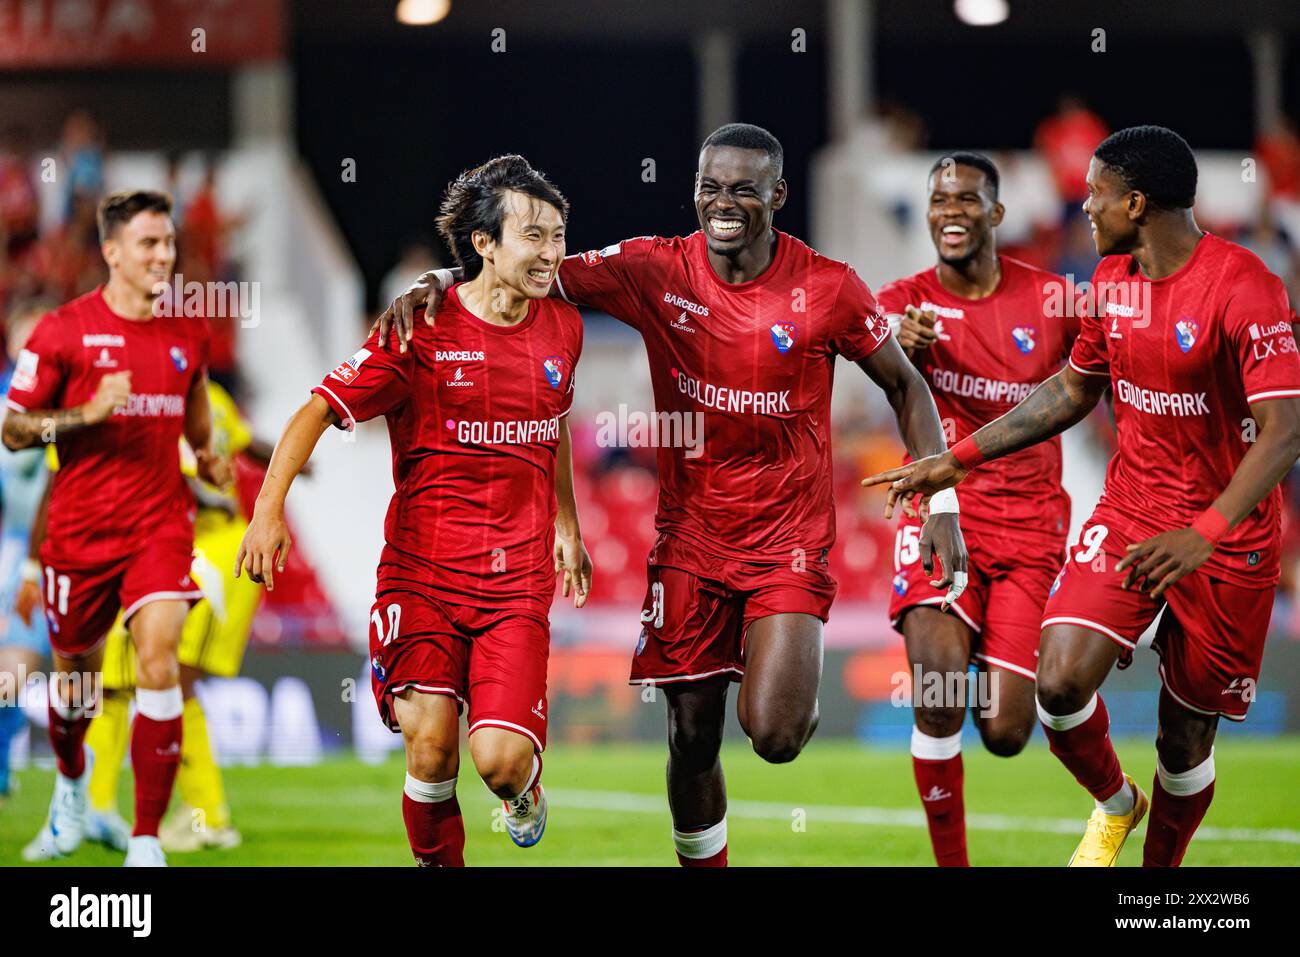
{"x": 990, "y": 354}
{"x": 473, "y": 413}
{"x": 1186, "y": 356}
{"x": 757, "y": 360}
{"x": 121, "y": 480}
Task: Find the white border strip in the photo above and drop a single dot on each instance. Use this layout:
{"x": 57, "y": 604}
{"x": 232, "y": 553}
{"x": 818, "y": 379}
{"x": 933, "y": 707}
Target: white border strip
{"x": 1032, "y": 676}
{"x": 1086, "y": 372}
{"x": 672, "y": 678}
{"x": 1101, "y": 629}
{"x": 1275, "y": 394}
{"x": 350, "y": 422}
{"x": 159, "y": 596}
{"x": 508, "y": 725}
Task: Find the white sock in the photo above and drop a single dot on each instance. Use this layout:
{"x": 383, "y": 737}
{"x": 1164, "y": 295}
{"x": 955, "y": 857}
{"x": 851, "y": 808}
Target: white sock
{"x": 429, "y": 792}
{"x": 1119, "y": 803}
{"x": 1064, "y": 722}
{"x": 1187, "y": 783}
{"x": 929, "y": 748}
{"x": 164, "y": 705}
{"x": 697, "y": 845}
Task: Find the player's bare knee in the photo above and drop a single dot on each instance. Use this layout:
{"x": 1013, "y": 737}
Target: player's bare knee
{"x": 1060, "y": 692}
{"x": 779, "y": 742}
{"x": 1182, "y": 749}
{"x": 1006, "y": 740}
{"x": 428, "y": 758}
{"x": 157, "y": 672}
{"x": 505, "y": 773}
{"x": 939, "y": 722}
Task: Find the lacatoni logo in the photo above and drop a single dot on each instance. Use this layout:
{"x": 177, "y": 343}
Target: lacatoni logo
{"x": 511, "y": 432}
{"x": 347, "y": 370}
{"x": 1024, "y": 338}
{"x": 783, "y": 335}
{"x": 76, "y": 910}
{"x": 458, "y": 379}
{"x": 1185, "y": 332}
{"x": 731, "y": 400}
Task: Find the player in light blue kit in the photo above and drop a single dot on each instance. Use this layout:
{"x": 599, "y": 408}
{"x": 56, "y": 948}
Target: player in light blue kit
{"x": 24, "y": 645}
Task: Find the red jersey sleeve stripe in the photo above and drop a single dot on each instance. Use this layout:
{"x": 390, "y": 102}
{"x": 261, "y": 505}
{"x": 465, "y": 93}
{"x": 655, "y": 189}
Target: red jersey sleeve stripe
{"x": 1272, "y": 394}
{"x": 1076, "y": 368}
{"x": 560, "y": 286}
{"x": 338, "y": 405}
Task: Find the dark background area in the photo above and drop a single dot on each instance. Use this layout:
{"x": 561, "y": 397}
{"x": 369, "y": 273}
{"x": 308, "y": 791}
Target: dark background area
{"x": 588, "y": 92}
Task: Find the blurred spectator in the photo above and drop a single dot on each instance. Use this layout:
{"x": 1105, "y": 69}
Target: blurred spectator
{"x": 1279, "y": 153}
{"x": 418, "y": 256}
{"x": 82, "y": 152}
{"x": 19, "y": 203}
{"x": 1066, "y": 140}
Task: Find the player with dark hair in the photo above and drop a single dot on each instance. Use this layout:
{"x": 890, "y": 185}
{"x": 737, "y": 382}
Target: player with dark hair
{"x": 476, "y": 411}
{"x": 984, "y": 330}
{"x": 742, "y": 324}
{"x": 117, "y": 386}
{"x": 1193, "y": 333}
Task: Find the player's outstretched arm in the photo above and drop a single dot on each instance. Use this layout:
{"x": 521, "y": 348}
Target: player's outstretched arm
{"x": 571, "y": 556}
{"x": 918, "y": 421}
{"x": 23, "y": 430}
{"x": 1058, "y": 403}
{"x": 214, "y": 469}
{"x": 426, "y": 291}
{"x": 266, "y": 544}
{"x": 1163, "y": 559}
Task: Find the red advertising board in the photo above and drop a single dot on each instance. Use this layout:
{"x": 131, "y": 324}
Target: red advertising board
{"x": 63, "y": 34}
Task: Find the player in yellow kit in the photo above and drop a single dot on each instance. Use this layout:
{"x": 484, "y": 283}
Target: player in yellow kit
{"x": 213, "y": 641}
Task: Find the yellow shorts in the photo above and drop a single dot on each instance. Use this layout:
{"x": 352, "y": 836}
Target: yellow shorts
{"x": 216, "y": 630}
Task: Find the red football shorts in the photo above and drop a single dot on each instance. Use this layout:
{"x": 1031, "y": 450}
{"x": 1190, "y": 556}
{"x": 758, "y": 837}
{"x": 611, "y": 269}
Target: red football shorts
{"x": 694, "y": 625}
{"x": 1210, "y": 639}
{"x": 494, "y": 660}
{"x": 81, "y": 602}
{"x": 1010, "y": 576}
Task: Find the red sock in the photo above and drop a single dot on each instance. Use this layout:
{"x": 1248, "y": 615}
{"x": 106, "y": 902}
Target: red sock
{"x": 940, "y": 787}
{"x": 433, "y": 823}
{"x": 67, "y": 733}
{"x": 155, "y": 755}
{"x": 704, "y": 847}
{"x": 1082, "y": 743}
{"x": 1178, "y": 804}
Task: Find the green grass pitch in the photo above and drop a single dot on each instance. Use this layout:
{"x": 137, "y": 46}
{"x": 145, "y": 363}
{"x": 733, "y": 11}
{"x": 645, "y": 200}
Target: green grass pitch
{"x": 840, "y": 803}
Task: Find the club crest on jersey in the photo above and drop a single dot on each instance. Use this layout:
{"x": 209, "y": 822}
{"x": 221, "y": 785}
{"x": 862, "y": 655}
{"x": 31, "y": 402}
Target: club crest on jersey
{"x": 783, "y": 335}
{"x": 1185, "y": 332}
{"x": 553, "y": 366}
{"x": 1024, "y": 338}
{"x": 179, "y": 359}
{"x": 900, "y": 584}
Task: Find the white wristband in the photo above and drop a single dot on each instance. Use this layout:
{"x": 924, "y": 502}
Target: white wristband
{"x": 31, "y": 570}
{"x": 444, "y": 278}
{"x": 944, "y": 502}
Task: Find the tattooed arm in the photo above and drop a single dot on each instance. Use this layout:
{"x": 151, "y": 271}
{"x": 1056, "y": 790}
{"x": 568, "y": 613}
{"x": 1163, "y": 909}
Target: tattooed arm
{"x": 22, "y": 430}
{"x": 1060, "y": 402}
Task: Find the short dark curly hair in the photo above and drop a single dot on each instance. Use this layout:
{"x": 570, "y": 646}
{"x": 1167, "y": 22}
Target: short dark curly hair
{"x": 1154, "y": 161}
{"x": 474, "y": 202}
{"x": 117, "y": 209}
{"x": 975, "y": 161}
{"x": 747, "y": 136}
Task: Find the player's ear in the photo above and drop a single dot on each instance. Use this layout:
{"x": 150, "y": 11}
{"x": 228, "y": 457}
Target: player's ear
{"x": 1137, "y": 204}
{"x": 108, "y": 249}
{"x": 483, "y": 243}
{"x": 995, "y": 217}
{"x": 779, "y": 194}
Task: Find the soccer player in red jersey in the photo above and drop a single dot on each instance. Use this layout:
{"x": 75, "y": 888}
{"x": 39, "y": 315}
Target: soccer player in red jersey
{"x": 476, "y": 411}
{"x": 1193, "y": 334}
{"x": 116, "y": 386}
{"x": 742, "y": 324}
{"x": 984, "y": 330}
